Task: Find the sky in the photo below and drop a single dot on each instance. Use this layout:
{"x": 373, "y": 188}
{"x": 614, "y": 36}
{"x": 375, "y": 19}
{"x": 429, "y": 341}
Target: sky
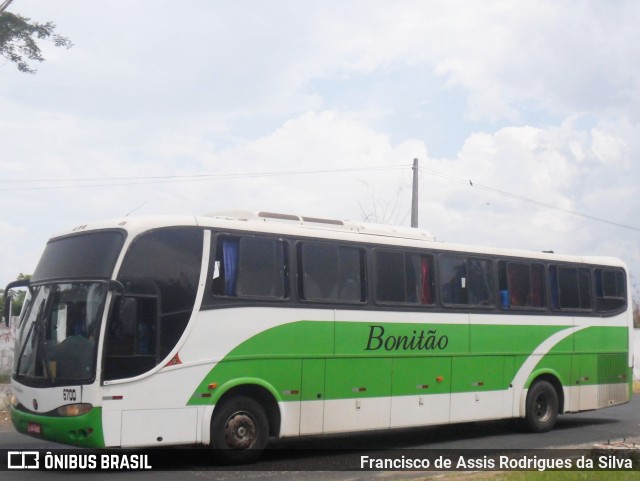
{"x": 524, "y": 115}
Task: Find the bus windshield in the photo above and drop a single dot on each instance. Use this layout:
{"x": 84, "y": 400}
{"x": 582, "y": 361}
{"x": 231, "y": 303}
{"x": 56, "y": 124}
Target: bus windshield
{"x": 90, "y": 255}
{"x": 57, "y": 339}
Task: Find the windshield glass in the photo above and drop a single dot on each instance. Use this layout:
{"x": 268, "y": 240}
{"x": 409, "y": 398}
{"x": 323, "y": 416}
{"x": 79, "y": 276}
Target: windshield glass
{"x": 57, "y": 340}
{"x": 90, "y": 255}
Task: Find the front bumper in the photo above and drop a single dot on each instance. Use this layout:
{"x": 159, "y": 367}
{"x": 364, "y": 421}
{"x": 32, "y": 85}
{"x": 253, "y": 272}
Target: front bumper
{"x": 85, "y": 430}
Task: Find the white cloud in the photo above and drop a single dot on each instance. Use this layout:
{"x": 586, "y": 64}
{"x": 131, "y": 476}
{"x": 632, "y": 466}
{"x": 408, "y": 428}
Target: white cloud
{"x": 253, "y": 58}
{"x": 15, "y": 258}
{"x": 609, "y": 149}
{"x": 543, "y": 104}
{"x": 539, "y": 164}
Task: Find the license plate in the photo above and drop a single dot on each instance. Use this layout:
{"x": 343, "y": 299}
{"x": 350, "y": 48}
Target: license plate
{"x": 34, "y": 428}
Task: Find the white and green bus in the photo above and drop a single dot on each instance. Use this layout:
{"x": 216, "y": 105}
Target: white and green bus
{"x": 225, "y": 330}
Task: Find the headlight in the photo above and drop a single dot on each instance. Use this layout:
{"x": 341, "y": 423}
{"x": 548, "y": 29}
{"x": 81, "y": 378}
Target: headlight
{"x": 75, "y": 409}
{"x": 13, "y": 400}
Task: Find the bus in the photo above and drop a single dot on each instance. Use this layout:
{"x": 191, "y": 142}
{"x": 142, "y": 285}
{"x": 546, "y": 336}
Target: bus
{"x": 229, "y": 329}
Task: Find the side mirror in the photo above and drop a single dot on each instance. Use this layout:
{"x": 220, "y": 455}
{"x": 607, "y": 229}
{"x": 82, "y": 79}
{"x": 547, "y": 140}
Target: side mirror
{"x": 7, "y": 298}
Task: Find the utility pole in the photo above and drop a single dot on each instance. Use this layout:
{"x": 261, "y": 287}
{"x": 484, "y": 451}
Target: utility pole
{"x": 414, "y": 195}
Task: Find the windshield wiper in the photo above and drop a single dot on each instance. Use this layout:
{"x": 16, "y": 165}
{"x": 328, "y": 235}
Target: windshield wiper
{"x": 38, "y": 329}
{"x": 40, "y": 324}
{"x": 28, "y": 337}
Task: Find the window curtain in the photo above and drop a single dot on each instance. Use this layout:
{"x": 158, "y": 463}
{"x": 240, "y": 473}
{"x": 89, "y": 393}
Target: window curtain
{"x": 427, "y": 296}
{"x": 230, "y": 248}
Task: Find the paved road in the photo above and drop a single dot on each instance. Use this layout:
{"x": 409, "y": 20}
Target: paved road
{"x": 320, "y": 453}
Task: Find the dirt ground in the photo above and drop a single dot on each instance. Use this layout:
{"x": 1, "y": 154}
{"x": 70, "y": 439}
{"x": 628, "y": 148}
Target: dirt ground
{"x": 5, "y": 421}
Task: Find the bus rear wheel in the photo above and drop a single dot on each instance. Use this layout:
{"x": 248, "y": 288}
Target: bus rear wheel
{"x": 239, "y": 430}
{"x": 541, "y": 407}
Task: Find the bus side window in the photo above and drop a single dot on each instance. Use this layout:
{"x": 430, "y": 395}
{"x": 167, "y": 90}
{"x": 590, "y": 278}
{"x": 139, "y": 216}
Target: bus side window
{"x": 403, "y": 277}
{"x": 453, "y": 278}
{"x": 538, "y": 298}
{"x": 571, "y": 287}
{"x": 568, "y": 290}
{"x": 610, "y": 290}
{"x": 521, "y": 284}
{"x": 331, "y": 272}
{"x": 584, "y": 274}
{"x": 350, "y": 274}
{"x": 480, "y": 282}
{"x": 261, "y": 268}
{"x": 390, "y": 275}
{"x": 225, "y": 269}
{"x": 466, "y": 280}
{"x": 250, "y": 266}
{"x": 427, "y": 280}
{"x": 130, "y": 347}
{"x": 160, "y": 272}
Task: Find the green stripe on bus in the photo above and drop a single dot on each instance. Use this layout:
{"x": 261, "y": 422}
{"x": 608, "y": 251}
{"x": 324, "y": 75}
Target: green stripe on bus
{"x": 301, "y": 360}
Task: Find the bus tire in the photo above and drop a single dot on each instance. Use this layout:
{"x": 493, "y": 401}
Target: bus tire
{"x": 239, "y": 430}
{"x": 542, "y": 407}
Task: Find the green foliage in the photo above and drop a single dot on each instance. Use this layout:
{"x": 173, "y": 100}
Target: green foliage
{"x": 587, "y": 475}
{"x": 18, "y": 298}
{"x": 18, "y": 40}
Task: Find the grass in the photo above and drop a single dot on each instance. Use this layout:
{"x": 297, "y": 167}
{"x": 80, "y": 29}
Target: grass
{"x": 547, "y": 476}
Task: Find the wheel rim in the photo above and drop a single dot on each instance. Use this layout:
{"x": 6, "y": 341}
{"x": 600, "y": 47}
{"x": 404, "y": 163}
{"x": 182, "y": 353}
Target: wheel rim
{"x": 241, "y": 430}
{"x": 542, "y": 408}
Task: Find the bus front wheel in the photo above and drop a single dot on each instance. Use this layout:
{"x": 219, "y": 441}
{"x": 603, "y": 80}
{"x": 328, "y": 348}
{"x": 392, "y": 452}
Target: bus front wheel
{"x": 542, "y": 407}
{"x": 239, "y": 430}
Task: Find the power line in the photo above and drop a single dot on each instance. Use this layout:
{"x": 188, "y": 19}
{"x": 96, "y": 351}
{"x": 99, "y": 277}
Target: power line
{"x": 90, "y": 182}
{"x": 79, "y": 182}
{"x": 522, "y": 198}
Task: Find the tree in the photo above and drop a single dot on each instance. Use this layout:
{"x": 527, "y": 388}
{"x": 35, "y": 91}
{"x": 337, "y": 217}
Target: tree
{"x": 382, "y": 212}
{"x": 18, "y": 37}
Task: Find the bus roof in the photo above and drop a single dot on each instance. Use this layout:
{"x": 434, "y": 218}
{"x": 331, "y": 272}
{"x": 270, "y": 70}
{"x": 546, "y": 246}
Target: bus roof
{"x": 313, "y": 227}
{"x": 326, "y": 224}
